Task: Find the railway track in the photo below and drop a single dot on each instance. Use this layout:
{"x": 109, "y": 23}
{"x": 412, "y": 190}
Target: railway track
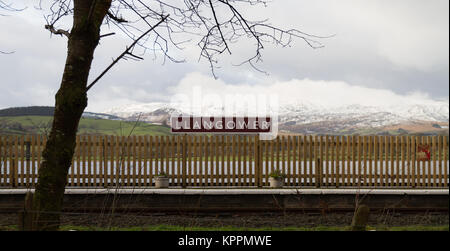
{"x": 239, "y": 201}
{"x": 221, "y": 211}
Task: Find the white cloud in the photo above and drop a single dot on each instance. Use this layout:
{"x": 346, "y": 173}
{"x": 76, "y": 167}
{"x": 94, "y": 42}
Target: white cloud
{"x": 328, "y": 94}
{"x": 409, "y": 33}
{"x": 401, "y": 46}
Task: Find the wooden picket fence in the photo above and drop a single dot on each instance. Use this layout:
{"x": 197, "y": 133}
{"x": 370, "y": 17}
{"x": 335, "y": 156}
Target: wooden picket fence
{"x": 236, "y": 161}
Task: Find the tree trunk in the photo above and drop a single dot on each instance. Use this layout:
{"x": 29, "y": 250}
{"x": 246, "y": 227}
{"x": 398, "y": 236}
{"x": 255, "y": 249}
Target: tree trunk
{"x": 70, "y": 102}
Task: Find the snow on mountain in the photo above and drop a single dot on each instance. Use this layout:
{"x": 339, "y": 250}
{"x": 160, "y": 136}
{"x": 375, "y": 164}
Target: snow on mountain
{"x": 134, "y": 109}
{"x": 100, "y": 116}
{"x": 303, "y": 113}
{"x": 370, "y": 115}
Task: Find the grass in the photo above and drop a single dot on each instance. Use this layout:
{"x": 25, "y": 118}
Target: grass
{"x": 231, "y": 228}
{"x": 41, "y": 124}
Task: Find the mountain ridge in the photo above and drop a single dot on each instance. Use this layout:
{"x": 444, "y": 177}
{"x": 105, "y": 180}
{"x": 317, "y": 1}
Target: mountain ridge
{"x": 302, "y": 118}
{"x": 311, "y": 118}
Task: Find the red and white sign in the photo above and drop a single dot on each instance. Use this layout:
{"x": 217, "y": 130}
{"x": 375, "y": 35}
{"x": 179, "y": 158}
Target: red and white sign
{"x": 235, "y": 125}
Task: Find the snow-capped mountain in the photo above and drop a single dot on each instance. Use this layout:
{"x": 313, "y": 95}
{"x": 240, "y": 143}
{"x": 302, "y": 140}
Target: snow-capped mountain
{"x": 368, "y": 116}
{"x": 100, "y": 116}
{"x": 306, "y": 117}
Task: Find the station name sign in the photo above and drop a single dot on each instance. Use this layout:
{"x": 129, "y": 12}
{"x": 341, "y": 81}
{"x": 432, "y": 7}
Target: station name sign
{"x": 219, "y": 125}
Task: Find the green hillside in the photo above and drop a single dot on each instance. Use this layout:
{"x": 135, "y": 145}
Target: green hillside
{"x": 41, "y": 125}
{"x": 28, "y": 111}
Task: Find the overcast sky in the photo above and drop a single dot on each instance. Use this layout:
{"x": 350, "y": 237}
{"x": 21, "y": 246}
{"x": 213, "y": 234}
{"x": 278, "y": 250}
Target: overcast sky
{"x": 396, "y": 47}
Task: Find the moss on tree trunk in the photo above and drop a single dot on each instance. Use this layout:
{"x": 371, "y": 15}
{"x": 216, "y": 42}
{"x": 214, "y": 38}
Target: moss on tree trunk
{"x": 70, "y": 102}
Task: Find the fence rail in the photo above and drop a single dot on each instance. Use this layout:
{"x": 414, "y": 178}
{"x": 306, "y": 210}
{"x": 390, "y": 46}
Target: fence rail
{"x": 202, "y": 161}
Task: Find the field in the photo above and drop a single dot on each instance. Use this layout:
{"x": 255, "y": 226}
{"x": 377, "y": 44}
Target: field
{"x": 20, "y": 125}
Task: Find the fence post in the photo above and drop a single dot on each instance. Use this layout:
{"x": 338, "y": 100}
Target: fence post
{"x": 104, "y": 161}
{"x": 13, "y": 169}
{"x": 258, "y": 162}
{"x": 318, "y": 173}
{"x": 184, "y": 152}
{"x": 14, "y": 161}
{"x": 413, "y": 155}
{"x": 28, "y": 150}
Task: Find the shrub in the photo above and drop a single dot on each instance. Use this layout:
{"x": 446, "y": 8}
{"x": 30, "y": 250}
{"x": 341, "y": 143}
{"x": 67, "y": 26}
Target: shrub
{"x": 277, "y": 174}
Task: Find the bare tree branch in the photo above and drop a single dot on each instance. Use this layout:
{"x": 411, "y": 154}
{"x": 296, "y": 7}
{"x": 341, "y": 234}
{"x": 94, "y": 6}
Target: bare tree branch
{"x": 107, "y": 34}
{"x": 56, "y": 32}
{"x": 218, "y": 27}
{"x": 190, "y": 21}
{"x": 125, "y": 53}
{"x": 7, "y": 7}
{"x": 115, "y": 18}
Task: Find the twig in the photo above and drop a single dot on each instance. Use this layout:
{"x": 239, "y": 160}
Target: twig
{"x": 115, "y": 18}
{"x": 107, "y": 34}
{"x": 118, "y": 170}
{"x": 126, "y": 52}
{"x": 55, "y": 31}
{"x": 218, "y": 27}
